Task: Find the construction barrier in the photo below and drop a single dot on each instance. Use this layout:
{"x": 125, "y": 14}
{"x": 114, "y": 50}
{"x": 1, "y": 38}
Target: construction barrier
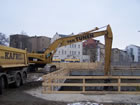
{"x": 119, "y": 84}
{"x": 92, "y": 66}
{"x": 77, "y": 66}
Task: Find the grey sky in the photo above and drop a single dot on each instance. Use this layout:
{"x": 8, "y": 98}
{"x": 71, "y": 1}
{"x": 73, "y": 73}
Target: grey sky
{"x": 46, "y": 17}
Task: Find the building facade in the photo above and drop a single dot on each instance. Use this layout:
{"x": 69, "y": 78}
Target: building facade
{"x": 39, "y": 43}
{"x": 33, "y": 44}
{"x": 90, "y": 48}
{"x": 73, "y": 51}
{"x": 134, "y": 52}
{"x": 20, "y": 41}
{"x": 100, "y": 52}
{"x": 94, "y": 49}
{"x": 120, "y": 56}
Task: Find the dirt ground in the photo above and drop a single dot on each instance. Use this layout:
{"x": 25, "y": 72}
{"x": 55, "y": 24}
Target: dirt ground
{"x": 18, "y": 96}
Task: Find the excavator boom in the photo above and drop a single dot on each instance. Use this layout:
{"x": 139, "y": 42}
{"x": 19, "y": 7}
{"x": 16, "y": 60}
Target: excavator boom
{"x": 46, "y": 57}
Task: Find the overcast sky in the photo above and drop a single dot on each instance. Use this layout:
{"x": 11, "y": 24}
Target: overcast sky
{"x": 46, "y": 17}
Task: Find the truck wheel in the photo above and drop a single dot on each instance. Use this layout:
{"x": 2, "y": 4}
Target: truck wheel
{"x": 24, "y": 78}
{"x": 17, "y": 80}
{"x": 2, "y": 85}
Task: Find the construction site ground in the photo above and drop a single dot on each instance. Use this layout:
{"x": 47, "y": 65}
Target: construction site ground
{"x": 18, "y": 96}
{"x": 30, "y": 94}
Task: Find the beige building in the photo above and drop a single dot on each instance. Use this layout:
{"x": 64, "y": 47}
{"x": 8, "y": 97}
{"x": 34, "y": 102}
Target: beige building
{"x": 33, "y": 44}
{"x": 39, "y": 43}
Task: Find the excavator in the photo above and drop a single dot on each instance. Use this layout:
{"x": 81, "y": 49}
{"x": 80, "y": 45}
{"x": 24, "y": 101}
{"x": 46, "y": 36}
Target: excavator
{"x": 40, "y": 60}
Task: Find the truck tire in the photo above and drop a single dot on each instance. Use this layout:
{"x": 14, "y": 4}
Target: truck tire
{"x": 2, "y": 85}
{"x": 17, "y": 80}
{"x": 24, "y": 78}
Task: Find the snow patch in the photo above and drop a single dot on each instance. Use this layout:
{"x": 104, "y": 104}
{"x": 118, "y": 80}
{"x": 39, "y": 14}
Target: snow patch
{"x": 83, "y": 103}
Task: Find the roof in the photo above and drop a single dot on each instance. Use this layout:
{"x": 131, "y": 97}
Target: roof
{"x": 134, "y": 45}
{"x": 118, "y": 49}
{"x": 19, "y": 35}
{"x": 39, "y": 37}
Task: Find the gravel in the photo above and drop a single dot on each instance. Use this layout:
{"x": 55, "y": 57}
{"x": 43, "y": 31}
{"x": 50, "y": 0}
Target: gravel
{"x": 106, "y": 98}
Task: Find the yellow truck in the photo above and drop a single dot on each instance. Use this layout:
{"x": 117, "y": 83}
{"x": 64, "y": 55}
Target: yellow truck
{"x": 13, "y": 67}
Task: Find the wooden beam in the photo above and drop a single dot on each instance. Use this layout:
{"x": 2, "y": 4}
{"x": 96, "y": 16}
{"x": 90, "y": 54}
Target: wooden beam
{"x": 80, "y": 84}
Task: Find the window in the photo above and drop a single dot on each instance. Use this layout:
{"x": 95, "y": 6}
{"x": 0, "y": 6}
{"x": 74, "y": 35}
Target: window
{"x": 138, "y": 58}
{"x": 62, "y": 52}
{"x": 70, "y": 46}
{"x": 139, "y": 51}
{"x": 78, "y": 46}
{"x": 79, "y": 52}
{"x": 72, "y": 52}
{"x": 131, "y": 51}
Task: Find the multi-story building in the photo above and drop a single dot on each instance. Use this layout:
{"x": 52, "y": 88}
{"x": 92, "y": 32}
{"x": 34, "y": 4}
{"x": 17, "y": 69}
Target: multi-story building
{"x": 73, "y": 51}
{"x": 39, "y": 43}
{"x": 94, "y": 49}
{"x": 90, "y": 48}
{"x": 134, "y": 52}
{"x": 20, "y": 41}
{"x": 100, "y": 52}
{"x": 120, "y": 56}
{"x": 33, "y": 44}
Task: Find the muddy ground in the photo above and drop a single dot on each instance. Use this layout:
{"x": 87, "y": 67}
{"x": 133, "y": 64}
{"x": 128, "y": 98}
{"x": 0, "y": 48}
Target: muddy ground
{"x": 17, "y": 96}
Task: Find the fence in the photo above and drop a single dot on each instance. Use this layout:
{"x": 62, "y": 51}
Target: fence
{"x": 78, "y": 66}
{"x": 96, "y": 65}
{"x": 119, "y": 84}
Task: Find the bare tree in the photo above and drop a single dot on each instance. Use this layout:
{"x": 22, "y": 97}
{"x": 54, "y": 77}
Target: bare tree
{"x": 3, "y": 39}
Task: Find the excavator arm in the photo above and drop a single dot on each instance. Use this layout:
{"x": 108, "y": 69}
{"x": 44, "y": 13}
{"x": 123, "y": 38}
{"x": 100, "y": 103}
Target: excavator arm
{"x": 48, "y": 54}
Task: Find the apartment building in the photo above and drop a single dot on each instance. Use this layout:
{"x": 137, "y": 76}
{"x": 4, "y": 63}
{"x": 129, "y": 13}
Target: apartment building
{"x": 73, "y": 51}
{"x": 33, "y": 44}
{"x": 39, "y": 43}
{"x": 20, "y": 41}
{"x": 94, "y": 49}
{"x": 120, "y": 56}
{"x": 134, "y": 52}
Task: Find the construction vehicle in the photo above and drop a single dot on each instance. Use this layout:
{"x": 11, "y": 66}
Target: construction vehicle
{"x": 40, "y": 60}
{"x": 13, "y": 67}
{"x": 14, "y": 62}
